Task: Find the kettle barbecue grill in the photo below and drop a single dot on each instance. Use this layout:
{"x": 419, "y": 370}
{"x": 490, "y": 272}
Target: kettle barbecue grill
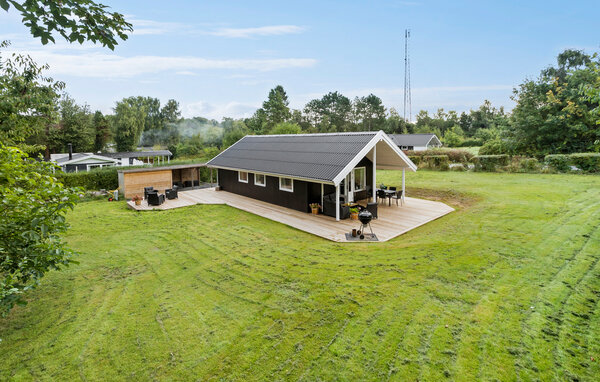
{"x": 365, "y": 218}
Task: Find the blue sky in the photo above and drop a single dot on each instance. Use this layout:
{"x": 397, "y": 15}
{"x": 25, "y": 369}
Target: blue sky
{"x": 220, "y": 58}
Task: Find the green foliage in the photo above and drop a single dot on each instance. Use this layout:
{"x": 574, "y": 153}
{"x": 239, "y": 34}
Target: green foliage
{"x": 93, "y": 180}
{"x": 529, "y": 165}
{"x": 76, "y": 126}
{"x": 369, "y": 112}
{"x": 102, "y": 131}
{"x": 496, "y": 146}
{"x": 33, "y": 206}
{"x": 286, "y": 128}
{"x": 416, "y": 159}
{"x": 331, "y": 113}
{"x": 211, "y": 152}
{"x": 28, "y": 102}
{"x": 552, "y": 116}
{"x": 454, "y": 156}
{"x": 74, "y": 20}
{"x": 490, "y": 162}
{"x": 436, "y": 162}
{"x": 586, "y": 162}
{"x": 558, "y": 162}
{"x": 129, "y": 122}
{"x": 453, "y": 137}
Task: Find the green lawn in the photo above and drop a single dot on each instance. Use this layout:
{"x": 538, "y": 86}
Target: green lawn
{"x": 506, "y": 288}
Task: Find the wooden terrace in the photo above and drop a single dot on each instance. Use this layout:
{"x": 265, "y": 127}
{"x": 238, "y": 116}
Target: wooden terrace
{"x": 393, "y": 220}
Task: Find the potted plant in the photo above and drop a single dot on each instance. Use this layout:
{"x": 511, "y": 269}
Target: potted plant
{"x": 315, "y": 208}
{"x": 137, "y": 199}
{"x": 354, "y": 213}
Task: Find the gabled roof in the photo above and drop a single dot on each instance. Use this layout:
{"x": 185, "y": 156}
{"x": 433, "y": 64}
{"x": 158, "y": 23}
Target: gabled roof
{"x": 79, "y": 157}
{"x": 136, "y": 154}
{"x": 318, "y": 157}
{"x": 414, "y": 139}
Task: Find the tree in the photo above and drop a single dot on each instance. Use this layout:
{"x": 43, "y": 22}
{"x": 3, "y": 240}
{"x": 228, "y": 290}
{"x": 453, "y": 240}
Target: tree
{"x": 394, "y": 123}
{"x": 28, "y": 101}
{"x": 332, "y": 112}
{"x": 102, "y": 131}
{"x": 75, "y": 127}
{"x": 129, "y": 121}
{"x": 276, "y": 108}
{"x": 369, "y": 112}
{"x": 74, "y": 20}
{"x": 234, "y": 133}
{"x": 33, "y": 206}
{"x": 286, "y": 128}
{"x": 170, "y": 112}
{"x": 551, "y": 114}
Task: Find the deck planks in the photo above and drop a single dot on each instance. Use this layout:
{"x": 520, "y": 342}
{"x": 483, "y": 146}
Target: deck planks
{"x": 393, "y": 220}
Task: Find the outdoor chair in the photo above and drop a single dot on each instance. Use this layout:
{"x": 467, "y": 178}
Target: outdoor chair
{"x": 381, "y": 194}
{"x": 146, "y": 190}
{"x": 171, "y": 193}
{"x": 329, "y": 207}
{"x": 155, "y": 199}
{"x": 392, "y": 188}
{"x": 187, "y": 184}
{"x": 372, "y": 208}
{"x": 398, "y": 196}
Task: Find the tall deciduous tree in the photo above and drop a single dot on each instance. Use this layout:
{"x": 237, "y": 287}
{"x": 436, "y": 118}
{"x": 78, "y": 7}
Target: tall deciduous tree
{"x": 75, "y": 20}
{"x": 75, "y": 127}
{"x": 551, "y": 115}
{"x": 276, "y": 109}
{"x": 332, "y": 112}
{"x": 101, "y": 130}
{"x": 129, "y": 121}
{"x": 28, "y": 101}
{"x": 369, "y": 112}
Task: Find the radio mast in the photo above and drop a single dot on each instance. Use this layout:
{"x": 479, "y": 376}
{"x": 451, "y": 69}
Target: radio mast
{"x": 407, "y": 91}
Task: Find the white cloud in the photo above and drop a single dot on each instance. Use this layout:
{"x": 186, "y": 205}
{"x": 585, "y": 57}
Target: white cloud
{"x": 272, "y": 30}
{"x": 218, "y": 111}
{"x": 102, "y": 65}
{"x": 151, "y": 27}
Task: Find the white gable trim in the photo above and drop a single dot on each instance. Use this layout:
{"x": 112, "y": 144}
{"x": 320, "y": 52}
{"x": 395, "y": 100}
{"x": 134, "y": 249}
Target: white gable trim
{"x": 380, "y": 136}
{"x": 429, "y": 141}
{"x": 87, "y": 158}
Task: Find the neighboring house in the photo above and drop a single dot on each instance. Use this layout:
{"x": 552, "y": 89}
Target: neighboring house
{"x": 82, "y": 161}
{"x": 76, "y": 162}
{"x": 416, "y": 142}
{"x": 139, "y": 158}
{"x": 296, "y": 170}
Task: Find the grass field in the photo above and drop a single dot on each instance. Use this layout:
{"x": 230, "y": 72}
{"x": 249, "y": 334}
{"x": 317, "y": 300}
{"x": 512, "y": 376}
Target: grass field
{"x": 506, "y": 288}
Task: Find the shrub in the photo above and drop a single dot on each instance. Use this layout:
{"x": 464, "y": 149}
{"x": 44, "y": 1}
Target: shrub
{"x": 529, "y": 165}
{"x": 490, "y": 162}
{"x": 558, "y": 162}
{"x": 415, "y": 159}
{"x": 105, "y": 178}
{"x": 471, "y": 143}
{"x": 211, "y": 152}
{"x": 454, "y": 156}
{"x": 587, "y": 162}
{"x": 438, "y": 162}
{"x": 494, "y": 147}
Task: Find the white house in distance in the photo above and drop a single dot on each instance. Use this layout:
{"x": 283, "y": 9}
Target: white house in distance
{"x": 77, "y": 162}
{"x": 416, "y": 142}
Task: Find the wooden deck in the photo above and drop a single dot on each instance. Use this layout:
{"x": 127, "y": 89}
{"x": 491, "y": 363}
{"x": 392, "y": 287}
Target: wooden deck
{"x": 393, "y": 220}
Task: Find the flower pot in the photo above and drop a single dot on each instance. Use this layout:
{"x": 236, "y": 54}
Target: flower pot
{"x": 354, "y": 216}
{"x": 138, "y": 202}
{"x": 315, "y": 211}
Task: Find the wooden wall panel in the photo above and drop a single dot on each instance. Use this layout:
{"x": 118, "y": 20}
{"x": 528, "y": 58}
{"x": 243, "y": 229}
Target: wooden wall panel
{"x": 136, "y": 181}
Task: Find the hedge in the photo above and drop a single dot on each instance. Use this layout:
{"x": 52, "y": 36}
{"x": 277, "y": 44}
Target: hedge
{"x": 454, "y": 156}
{"x": 106, "y": 179}
{"x": 490, "y": 162}
{"x": 586, "y": 162}
{"x": 415, "y": 159}
{"x": 438, "y": 162}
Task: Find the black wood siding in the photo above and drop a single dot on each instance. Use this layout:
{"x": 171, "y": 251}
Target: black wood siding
{"x": 304, "y": 192}
{"x": 297, "y": 200}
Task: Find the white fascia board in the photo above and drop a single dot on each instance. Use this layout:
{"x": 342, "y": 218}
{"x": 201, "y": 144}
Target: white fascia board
{"x": 395, "y": 147}
{"x": 380, "y": 136}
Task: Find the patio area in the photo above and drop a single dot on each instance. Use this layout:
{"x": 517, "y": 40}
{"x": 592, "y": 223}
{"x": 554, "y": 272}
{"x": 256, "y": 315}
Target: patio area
{"x": 393, "y": 220}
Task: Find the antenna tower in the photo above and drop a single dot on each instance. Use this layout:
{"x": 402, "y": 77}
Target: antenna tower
{"x": 407, "y": 91}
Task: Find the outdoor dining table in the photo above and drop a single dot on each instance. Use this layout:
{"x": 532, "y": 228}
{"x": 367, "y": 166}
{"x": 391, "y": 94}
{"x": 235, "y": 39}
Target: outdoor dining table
{"x": 388, "y": 194}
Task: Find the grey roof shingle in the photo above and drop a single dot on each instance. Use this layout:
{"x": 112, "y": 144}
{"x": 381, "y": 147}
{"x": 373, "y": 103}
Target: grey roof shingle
{"x": 309, "y": 156}
{"x": 411, "y": 139}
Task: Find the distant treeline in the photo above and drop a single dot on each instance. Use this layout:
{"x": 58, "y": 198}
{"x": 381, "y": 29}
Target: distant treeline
{"x": 557, "y": 113}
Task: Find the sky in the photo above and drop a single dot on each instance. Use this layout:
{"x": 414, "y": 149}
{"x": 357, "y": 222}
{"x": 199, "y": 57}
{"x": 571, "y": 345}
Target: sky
{"x": 220, "y": 58}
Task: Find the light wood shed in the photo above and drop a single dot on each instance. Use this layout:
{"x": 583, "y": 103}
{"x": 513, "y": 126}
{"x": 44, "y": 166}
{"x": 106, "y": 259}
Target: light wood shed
{"x": 133, "y": 181}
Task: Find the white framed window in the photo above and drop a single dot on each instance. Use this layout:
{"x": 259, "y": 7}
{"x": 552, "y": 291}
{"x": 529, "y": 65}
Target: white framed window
{"x": 243, "y": 176}
{"x": 286, "y": 184}
{"x": 360, "y": 179}
{"x": 260, "y": 180}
